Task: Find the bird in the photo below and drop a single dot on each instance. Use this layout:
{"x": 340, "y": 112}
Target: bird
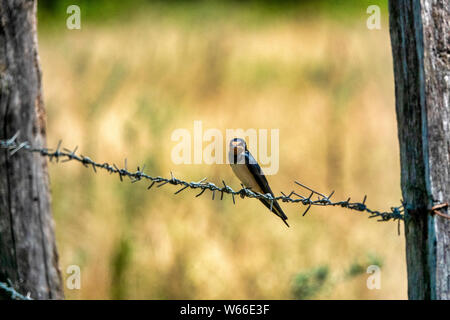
{"x": 248, "y": 171}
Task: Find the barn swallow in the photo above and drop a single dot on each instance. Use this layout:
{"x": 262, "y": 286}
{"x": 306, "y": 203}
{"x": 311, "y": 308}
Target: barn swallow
{"x": 251, "y": 175}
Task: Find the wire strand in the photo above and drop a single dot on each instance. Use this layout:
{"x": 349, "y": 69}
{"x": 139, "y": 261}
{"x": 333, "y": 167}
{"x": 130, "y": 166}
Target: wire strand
{"x": 12, "y": 293}
{"x": 65, "y": 155}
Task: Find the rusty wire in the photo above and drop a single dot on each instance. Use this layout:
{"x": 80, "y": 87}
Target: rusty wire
{"x": 314, "y": 198}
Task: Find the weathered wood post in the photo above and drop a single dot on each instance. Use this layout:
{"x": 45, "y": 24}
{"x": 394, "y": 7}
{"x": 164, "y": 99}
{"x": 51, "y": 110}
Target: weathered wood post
{"x": 28, "y": 256}
{"x": 420, "y": 35}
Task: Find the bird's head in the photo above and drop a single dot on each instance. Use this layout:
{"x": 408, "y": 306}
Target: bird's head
{"x": 237, "y": 146}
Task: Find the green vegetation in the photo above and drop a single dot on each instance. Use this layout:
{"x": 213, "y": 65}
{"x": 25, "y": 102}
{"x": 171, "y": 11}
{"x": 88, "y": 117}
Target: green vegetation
{"x": 316, "y": 281}
{"x": 201, "y": 11}
{"x": 308, "y": 284}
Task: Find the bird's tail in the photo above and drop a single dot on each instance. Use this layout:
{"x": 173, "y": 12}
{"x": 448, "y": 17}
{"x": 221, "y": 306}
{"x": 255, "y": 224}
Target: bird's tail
{"x": 275, "y": 207}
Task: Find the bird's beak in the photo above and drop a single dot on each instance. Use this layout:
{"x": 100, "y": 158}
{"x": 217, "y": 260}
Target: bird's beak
{"x": 236, "y": 147}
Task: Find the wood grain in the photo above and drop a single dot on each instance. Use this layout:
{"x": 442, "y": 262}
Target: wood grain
{"x": 419, "y": 36}
{"x": 28, "y": 256}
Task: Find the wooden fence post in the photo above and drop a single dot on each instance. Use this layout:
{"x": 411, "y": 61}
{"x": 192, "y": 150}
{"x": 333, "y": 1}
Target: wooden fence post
{"x": 28, "y": 256}
{"x": 421, "y": 54}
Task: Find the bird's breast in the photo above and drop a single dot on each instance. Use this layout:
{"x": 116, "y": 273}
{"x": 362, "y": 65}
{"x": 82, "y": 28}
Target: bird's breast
{"x": 247, "y": 179}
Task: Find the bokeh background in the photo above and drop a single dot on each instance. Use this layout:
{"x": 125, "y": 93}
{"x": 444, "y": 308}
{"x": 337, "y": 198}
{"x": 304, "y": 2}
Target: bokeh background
{"x": 137, "y": 70}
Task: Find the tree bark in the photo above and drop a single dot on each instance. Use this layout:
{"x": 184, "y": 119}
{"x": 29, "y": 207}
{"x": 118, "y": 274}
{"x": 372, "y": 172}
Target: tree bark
{"x": 419, "y": 36}
{"x": 28, "y": 256}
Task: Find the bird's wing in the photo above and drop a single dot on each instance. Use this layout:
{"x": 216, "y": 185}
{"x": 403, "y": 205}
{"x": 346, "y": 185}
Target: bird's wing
{"x": 262, "y": 182}
{"x": 257, "y": 173}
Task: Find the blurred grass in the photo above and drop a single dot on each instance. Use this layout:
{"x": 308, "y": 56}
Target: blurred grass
{"x": 118, "y": 87}
{"x": 196, "y": 12}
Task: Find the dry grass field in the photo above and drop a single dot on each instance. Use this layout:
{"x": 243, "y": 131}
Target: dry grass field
{"x": 118, "y": 89}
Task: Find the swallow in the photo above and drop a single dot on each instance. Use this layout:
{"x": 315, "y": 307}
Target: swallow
{"x": 251, "y": 175}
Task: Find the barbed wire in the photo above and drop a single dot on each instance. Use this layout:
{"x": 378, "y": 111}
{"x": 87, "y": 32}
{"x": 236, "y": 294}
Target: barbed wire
{"x": 314, "y": 198}
{"x": 12, "y": 293}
